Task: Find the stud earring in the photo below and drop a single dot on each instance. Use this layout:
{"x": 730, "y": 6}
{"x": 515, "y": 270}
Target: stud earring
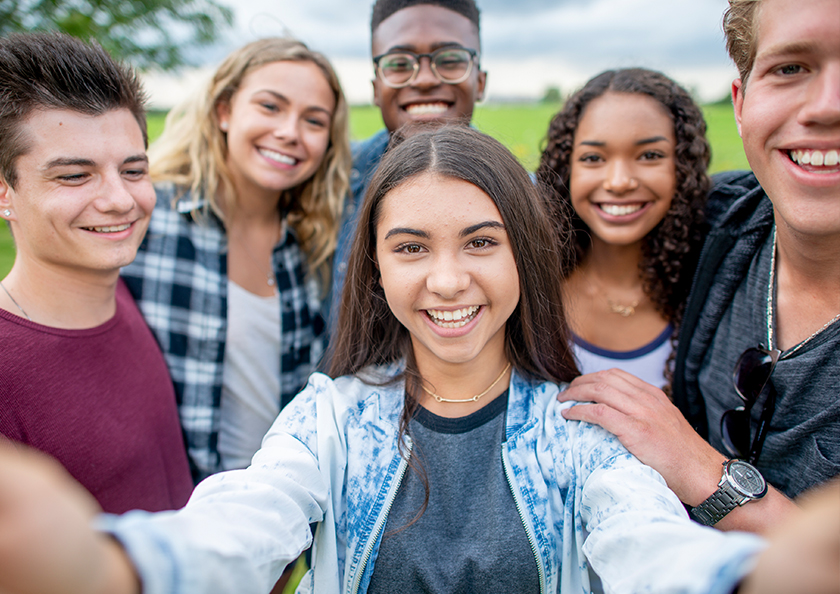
{"x": 223, "y": 126}
{"x": 7, "y": 213}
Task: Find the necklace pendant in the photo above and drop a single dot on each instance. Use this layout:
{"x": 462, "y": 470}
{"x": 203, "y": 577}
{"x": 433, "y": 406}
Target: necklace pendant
{"x": 624, "y": 311}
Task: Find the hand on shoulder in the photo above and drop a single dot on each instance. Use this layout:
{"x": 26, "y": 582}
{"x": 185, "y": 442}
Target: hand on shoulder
{"x": 649, "y": 425}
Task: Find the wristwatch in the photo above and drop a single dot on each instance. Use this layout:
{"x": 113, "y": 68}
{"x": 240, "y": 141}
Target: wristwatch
{"x": 741, "y": 482}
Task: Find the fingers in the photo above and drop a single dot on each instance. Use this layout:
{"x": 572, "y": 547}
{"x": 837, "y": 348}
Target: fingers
{"x": 616, "y": 388}
{"x": 606, "y": 416}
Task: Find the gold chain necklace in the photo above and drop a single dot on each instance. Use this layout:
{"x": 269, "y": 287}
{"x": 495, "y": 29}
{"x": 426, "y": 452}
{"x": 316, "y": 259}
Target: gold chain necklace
{"x": 474, "y": 398}
{"x": 615, "y": 307}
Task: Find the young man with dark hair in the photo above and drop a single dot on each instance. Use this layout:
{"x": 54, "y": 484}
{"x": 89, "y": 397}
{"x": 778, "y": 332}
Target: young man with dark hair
{"x": 83, "y": 379}
{"x": 426, "y": 58}
{"x": 766, "y": 298}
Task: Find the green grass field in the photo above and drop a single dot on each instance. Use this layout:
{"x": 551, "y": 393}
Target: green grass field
{"x": 519, "y": 127}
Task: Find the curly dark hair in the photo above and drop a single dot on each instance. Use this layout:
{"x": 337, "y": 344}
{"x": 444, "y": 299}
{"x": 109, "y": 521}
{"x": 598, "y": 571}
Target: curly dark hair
{"x": 671, "y": 249}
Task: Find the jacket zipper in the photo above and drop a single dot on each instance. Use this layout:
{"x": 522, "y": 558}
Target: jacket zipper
{"x": 529, "y": 531}
{"x": 380, "y": 522}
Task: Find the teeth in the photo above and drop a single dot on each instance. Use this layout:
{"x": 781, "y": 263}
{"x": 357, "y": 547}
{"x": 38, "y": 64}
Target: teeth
{"x": 279, "y": 157}
{"x": 452, "y": 319}
{"x": 619, "y": 210}
{"x": 816, "y": 158}
{"x": 426, "y": 108}
{"x": 112, "y": 229}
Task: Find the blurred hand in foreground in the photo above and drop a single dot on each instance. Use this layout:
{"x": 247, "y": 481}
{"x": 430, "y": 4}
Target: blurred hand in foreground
{"x": 804, "y": 553}
{"x": 46, "y": 541}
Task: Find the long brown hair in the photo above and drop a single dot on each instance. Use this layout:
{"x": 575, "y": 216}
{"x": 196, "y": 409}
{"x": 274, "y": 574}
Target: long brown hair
{"x": 536, "y": 334}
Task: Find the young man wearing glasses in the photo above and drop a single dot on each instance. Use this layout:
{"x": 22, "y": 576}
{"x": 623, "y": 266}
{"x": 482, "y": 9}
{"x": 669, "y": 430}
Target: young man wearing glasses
{"x": 426, "y": 59}
{"x": 766, "y": 300}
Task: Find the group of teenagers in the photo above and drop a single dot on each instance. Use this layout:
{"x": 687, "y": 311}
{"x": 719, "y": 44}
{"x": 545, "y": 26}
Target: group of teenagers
{"x": 433, "y": 369}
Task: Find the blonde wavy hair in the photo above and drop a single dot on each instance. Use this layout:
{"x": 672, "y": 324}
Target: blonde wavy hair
{"x": 740, "y": 27}
{"x": 192, "y": 152}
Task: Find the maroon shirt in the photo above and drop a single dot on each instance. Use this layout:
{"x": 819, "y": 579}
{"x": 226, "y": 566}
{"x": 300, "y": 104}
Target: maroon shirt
{"x": 101, "y": 402}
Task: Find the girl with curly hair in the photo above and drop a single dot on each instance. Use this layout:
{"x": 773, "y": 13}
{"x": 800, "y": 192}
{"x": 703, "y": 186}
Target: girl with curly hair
{"x": 625, "y": 162}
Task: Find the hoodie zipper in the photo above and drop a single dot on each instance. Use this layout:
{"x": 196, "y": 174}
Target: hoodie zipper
{"x": 380, "y": 523}
{"x": 529, "y": 531}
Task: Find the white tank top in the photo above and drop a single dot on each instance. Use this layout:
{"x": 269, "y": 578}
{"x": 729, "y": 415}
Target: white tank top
{"x": 646, "y": 363}
{"x": 251, "y": 376}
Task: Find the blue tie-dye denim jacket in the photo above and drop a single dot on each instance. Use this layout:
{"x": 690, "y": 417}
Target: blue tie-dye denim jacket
{"x": 332, "y": 458}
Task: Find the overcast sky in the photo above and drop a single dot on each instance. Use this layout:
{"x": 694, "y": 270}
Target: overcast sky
{"x": 528, "y": 45}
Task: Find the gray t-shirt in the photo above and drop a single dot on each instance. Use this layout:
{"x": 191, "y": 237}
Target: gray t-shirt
{"x": 802, "y": 448}
{"x": 470, "y": 537}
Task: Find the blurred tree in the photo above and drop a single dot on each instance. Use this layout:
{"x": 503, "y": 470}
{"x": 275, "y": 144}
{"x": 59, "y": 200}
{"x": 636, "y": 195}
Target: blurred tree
{"x": 552, "y": 95}
{"x": 146, "y": 33}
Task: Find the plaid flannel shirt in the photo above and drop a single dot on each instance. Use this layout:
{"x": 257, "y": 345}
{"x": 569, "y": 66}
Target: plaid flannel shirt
{"x": 179, "y": 280}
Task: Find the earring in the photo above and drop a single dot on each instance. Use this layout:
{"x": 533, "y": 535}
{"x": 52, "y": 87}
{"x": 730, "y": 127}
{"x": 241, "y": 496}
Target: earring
{"x": 7, "y": 213}
{"x": 223, "y": 126}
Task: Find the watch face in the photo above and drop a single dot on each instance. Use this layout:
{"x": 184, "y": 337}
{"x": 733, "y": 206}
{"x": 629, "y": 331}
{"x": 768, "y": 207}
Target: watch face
{"x": 746, "y": 478}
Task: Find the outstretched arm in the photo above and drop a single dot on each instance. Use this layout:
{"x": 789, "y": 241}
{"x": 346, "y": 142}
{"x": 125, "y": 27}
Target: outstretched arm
{"x": 655, "y": 431}
{"x": 47, "y": 544}
{"x": 804, "y": 554}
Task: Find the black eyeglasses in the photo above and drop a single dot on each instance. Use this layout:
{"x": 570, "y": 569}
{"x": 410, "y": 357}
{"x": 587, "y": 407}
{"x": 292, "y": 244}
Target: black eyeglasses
{"x": 451, "y": 65}
{"x": 751, "y": 374}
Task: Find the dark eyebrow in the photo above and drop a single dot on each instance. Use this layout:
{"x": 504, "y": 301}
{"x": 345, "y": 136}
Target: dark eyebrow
{"x": 69, "y": 162}
{"x": 406, "y": 231}
{"x": 141, "y": 158}
{"x": 651, "y": 140}
{"x": 284, "y": 99}
{"x": 479, "y": 226}
{"x": 79, "y": 162}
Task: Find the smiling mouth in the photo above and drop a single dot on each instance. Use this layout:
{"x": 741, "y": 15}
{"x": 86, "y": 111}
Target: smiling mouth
{"x": 453, "y": 319}
{"x": 111, "y": 229}
{"x": 816, "y": 158}
{"x": 278, "y": 157}
{"x": 620, "y": 210}
{"x": 419, "y": 109}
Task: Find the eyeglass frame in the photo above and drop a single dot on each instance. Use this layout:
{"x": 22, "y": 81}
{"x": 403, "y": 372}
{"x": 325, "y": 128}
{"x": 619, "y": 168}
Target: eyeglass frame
{"x": 474, "y": 56}
{"x": 768, "y": 407}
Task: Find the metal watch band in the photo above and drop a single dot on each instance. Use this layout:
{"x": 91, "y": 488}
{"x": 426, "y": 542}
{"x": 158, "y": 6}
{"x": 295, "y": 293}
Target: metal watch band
{"x": 719, "y": 503}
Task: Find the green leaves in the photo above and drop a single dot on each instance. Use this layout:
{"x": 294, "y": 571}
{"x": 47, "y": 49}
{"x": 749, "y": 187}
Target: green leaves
{"x": 146, "y": 33}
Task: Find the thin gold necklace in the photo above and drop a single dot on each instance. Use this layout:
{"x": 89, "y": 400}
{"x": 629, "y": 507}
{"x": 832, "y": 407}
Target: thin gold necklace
{"x": 474, "y": 398}
{"x": 624, "y": 311}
